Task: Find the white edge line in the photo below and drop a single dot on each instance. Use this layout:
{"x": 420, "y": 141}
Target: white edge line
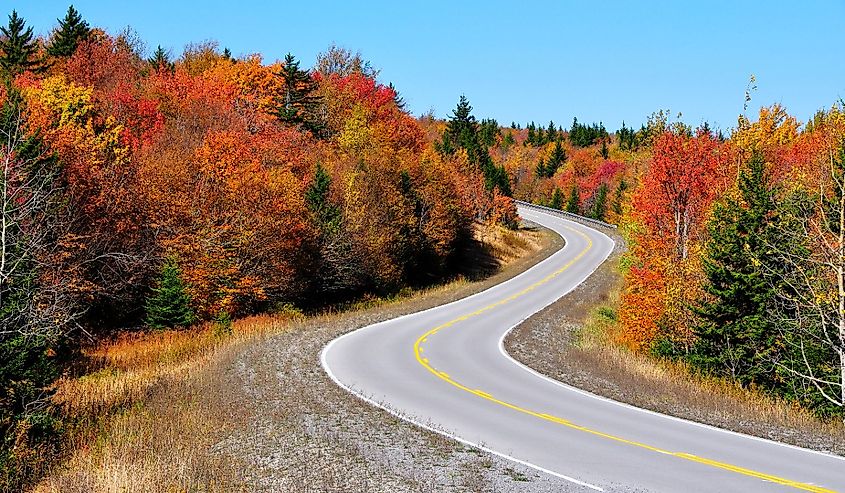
{"x": 623, "y": 404}
{"x": 502, "y": 350}
{"x": 435, "y": 430}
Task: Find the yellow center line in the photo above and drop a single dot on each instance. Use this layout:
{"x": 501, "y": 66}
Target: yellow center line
{"x": 564, "y": 422}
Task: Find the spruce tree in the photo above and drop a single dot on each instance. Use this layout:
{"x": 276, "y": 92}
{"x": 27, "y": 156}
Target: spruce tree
{"x": 734, "y": 333}
{"x": 71, "y": 31}
{"x": 557, "y": 199}
{"x": 604, "y": 151}
{"x": 160, "y": 60}
{"x": 556, "y": 160}
{"x": 573, "y": 202}
{"x": 298, "y": 106}
{"x": 325, "y": 213}
{"x": 540, "y": 170}
{"x": 169, "y": 304}
{"x": 17, "y": 47}
{"x": 600, "y": 203}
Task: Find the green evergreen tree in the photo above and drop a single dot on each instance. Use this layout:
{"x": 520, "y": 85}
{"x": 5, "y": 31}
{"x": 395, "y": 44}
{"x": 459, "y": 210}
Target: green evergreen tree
{"x": 327, "y": 215}
{"x": 169, "y": 304}
{"x": 556, "y": 160}
{"x": 557, "y": 199}
{"x": 735, "y": 334}
{"x": 551, "y": 133}
{"x": 462, "y": 131}
{"x": 574, "y": 201}
{"x": 540, "y": 170}
{"x": 600, "y": 203}
{"x": 17, "y": 47}
{"x": 531, "y": 137}
{"x": 227, "y": 54}
{"x": 71, "y": 31}
{"x": 618, "y": 197}
{"x": 300, "y": 102}
{"x": 604, "y": 151}
{"x": 160, "y": 60}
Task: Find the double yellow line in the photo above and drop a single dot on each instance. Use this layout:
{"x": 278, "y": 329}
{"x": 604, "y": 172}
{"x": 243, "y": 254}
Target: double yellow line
{"x": 424, "y": 361}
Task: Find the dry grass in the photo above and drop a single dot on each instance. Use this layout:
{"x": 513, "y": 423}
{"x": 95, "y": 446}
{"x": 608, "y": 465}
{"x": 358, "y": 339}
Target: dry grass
{"x": 672, "y": 386}
{"x": 154, "y": 407}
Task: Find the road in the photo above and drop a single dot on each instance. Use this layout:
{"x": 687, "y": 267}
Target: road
{"x": 446, "y": 369}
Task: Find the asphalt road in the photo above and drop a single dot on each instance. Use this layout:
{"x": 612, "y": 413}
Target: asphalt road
{"x": 445, "y": 369}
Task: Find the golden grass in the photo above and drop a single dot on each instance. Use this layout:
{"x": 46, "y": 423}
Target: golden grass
{"x": 668, "y": 385}
{"x": 140, "y": 420}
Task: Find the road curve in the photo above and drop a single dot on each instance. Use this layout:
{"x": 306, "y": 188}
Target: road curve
{"x": 446, "y": 369}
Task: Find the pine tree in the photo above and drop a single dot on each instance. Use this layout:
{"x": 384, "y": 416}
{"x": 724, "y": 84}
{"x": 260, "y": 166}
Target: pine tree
{"x": 734, "y": 332}
{"x": 531, "y": 135}
{"x": 71, "y": 31}
{"x": 618, "y": 197}
{"x": 552, "y": 131}
{"x": 600, "y": 203}
{"x": 573, "y": 202}
{"x": 169, "y": 304}
{"x": 556, "y": 160}
{"x": 299, "y": 104}
{"x": 540, "y": 170}
{"x": 160, "y": 60}
{"x": 326, "y": 214}
{"x": 604, "y": 151}
{"x": 17, "y": 47}
{"x": 227, "y": 54}
{"x": 557, "y": 199}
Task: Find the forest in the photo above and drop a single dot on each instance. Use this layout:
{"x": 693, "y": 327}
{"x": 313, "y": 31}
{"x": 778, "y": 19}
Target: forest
{"x": 163, "y": 191}
{"x": 158, "y": 192}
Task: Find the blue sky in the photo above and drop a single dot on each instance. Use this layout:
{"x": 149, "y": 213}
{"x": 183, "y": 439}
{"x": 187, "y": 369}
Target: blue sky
{"x": 600, "y": 61}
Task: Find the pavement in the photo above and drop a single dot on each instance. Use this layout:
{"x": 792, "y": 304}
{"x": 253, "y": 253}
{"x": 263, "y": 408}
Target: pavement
{"x": 446, "y": 369}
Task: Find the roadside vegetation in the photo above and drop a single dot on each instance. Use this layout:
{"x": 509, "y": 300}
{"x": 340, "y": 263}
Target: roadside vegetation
{"x": 153, "y": 205}
{"x": 172, "y": 192}
{"x": 736, "y": 240}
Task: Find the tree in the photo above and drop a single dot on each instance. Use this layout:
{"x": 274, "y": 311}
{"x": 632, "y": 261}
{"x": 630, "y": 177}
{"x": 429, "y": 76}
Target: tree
{"x": 17, "y": 47}
{"x": 326, "y": 214}
{"x": 573, "y": 203}
{"x": 169, "y": 304}
{"x": 36, "y": 303}
{"x": 299, "y": 103}
{"x": 71, "y": 31}
{"x": 809, "y": 265}
{"x": 557, "y": 199}
{"x": 604, "y": 151}
{"x": 599, "y": 203}
{"x": 160, "y": 60}
{"x": 735, "y": 335}
{"x": 556, "y": 160}
{"x": 540, "y": 170}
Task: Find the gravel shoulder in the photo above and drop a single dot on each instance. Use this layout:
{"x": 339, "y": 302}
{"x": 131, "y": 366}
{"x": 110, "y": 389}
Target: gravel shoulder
{"x": 550, "y": 343}
{"x": 295, "y": 430}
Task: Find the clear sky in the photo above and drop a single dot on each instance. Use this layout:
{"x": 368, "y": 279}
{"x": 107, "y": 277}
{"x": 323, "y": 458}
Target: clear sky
{"x": 519, "y": 61}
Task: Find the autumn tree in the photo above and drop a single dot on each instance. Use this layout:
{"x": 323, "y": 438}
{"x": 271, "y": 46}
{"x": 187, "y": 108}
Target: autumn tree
{"x": 71, "y": 31}
{"x": 18, "y": 49}
{"x": 809, "y": 262}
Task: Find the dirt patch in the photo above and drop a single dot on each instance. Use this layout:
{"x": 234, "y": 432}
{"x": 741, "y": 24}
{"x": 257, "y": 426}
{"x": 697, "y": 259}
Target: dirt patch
{"x": 553, "y": 342}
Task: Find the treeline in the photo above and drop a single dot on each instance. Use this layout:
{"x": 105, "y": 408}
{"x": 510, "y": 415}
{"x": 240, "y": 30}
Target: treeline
{"x": 161, "y": 191}
{"x": 736, "y": 243}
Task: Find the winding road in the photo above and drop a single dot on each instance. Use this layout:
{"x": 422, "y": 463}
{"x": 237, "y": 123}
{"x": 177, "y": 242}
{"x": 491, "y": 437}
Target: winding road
{"x": 446, "y": 369}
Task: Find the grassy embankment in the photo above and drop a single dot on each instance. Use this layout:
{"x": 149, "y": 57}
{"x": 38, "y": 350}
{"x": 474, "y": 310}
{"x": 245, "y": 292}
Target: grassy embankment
{"x": 137, "y": 420}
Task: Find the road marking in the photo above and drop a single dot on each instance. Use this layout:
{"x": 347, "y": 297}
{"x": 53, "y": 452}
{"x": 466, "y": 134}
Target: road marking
{"x": 569, "y": 424}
